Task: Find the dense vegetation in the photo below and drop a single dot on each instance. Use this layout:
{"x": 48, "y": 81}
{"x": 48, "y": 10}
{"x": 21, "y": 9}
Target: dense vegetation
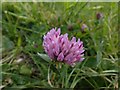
{"x": 25, "y": 24}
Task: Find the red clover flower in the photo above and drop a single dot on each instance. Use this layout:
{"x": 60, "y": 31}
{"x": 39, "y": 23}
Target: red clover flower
{"x": 61, "y": 48}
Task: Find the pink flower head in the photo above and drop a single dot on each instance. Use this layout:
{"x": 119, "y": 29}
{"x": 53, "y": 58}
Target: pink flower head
{"x": 99, "y": 16}
{"x": 61, "y": 48}
{"x": 84, "y": 26}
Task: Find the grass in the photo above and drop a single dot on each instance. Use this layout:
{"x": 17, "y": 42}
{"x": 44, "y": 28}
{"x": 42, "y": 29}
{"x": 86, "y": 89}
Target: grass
{"x": 23, "y": 27}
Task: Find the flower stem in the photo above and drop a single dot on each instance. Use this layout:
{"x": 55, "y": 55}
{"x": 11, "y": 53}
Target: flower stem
{"x": 49, "y": 82}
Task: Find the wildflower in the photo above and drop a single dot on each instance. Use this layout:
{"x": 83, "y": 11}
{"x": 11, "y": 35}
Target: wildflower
{"x": 83, "y": 27}
{"x": 99, "y": 16}
{"x": 62, "y": 49}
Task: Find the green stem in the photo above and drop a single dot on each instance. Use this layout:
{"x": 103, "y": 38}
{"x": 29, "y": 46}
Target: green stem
{"x": 49, "y": 82}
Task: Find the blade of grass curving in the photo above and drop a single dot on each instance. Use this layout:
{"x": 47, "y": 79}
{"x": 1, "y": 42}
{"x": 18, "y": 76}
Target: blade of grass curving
{"x": 89, "y": 82}
{"x": 81, "y": 8}
{"x": 68, "y": 78}
{"x": 76, "y": 81}
{"x": 48, "y": 77}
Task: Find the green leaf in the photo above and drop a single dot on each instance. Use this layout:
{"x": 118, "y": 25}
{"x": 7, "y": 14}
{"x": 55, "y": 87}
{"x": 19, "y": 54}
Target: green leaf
{"x": 7, "y": 44}
{"x": 99, "y": 57}
{"x": 74, "y": 83}
{"x": 19, "y": 41}
{"x": 69, "y": 77}
{"x": 25, "y": 70}
{"x": 45, "y": 57}
{"x": 110, "y": 71}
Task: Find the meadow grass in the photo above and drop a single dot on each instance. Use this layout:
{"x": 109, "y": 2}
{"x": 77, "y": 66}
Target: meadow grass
{"x": 23, "y": 27}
